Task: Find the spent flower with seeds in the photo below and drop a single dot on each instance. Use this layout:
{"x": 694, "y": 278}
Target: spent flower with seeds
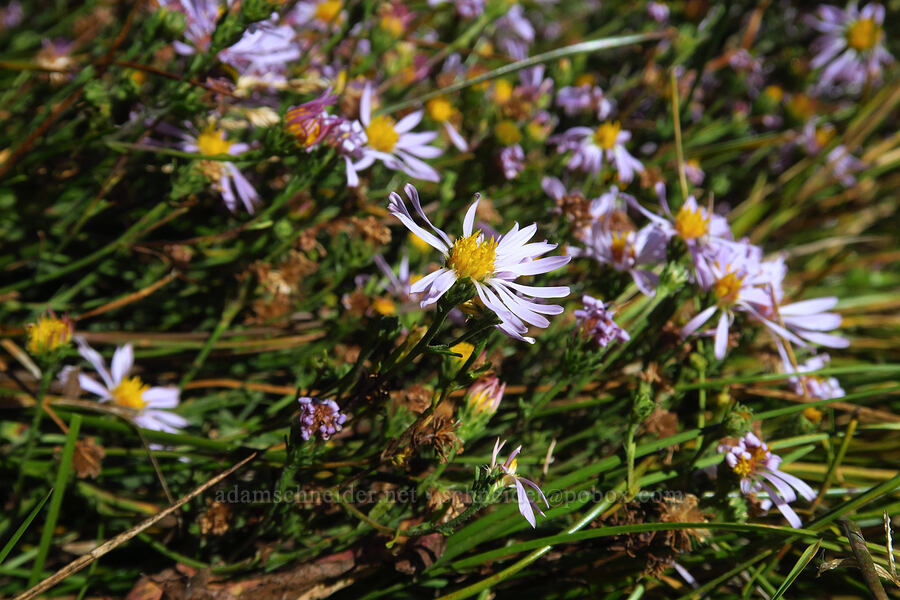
{"x": 752, "y": 461}
{"x": 492, "y": 264}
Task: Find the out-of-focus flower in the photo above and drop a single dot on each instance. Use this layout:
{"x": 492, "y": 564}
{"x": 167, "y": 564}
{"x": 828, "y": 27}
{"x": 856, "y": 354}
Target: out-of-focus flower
{"x": 484, "y": 395}
{"x": 263, "y": 50}
{"x": 527, "y": 506}
{"x": 397, "y": 283}
{"x": 752, "y": 461}
{"x": 11, "y": 15}
{"x": 310, "y": 123}
{"x": 56, "y": 56}
{"x": 515, "y": 33}
{"x": 441, "y": 111}
{"x": 224, "y": 175}
{"x": 349, "y": 139}
{"x": 319, "y": 417}
{"x": 839, "y": 161}
{"x": 318, "y": 15}
{"x": 590, "y": 146}
{"x": 851, "y": 47}
{"x": 658, "y": 11}
{"x": 512, "y": 159}
{"x": 152, "y": 406}
{"x": 493, "y": 265}
{"x": 693, "y": 172}
{"x": 583, "y": 99}
{"x": 394, "y": 143}
{"x": 49, "y": 333}
{"x": 597, "y": 322}
{"x": 627, "y": 251}
{"x": 467, "y": 9}
{"x": 814, "y": 386}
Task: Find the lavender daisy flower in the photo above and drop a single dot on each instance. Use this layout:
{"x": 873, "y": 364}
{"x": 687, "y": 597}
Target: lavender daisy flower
{"x": 813, "y": 386}
{"x": 851, "y": 47}
{"x": 151, "y": 406}
{"x": 224, "y": 175}
{"x": 658, "y": 11}
{"x": 318, "y": 15}
{"x": 12, "y": 15}
{"x": 583, "y": 99}
{"x": 515, "y": 33}
{"x": 527, "y": 506}
{"x": 590, "y": 146}
{"x": 597, "y": 322}
{"x": 512, "y": 158}
{"x": 839, "y": 161}
{"x": 349, "y": 139}
{"x": 262, "y": 51}
{"x": 441, "y": 111}
{"x": 319, "y": 417}
{"x": 394, "y": 144}
{"x": 628, "y": 251}
{"x": 757, "y": 467}
{"x": 734, "y": 276}
{"x": 492, "y": 264}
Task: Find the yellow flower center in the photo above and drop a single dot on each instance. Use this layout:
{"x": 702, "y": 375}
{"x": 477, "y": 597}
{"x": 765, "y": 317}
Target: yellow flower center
{"x": 130, "y": 393}
{"x": 510, "y": 477}
{"x": 746, "y": 466}
{"x": 470, "y": 257}
{"x": 502, "y": 91}
{"x": 776, "y": 93}
{"x": 48, "y": 334}
{"x": 507, "y": 133}
{"x": 823, "y": 136}
{"x": 726, "y": 288}
{"x": 384, "y": 306}
{"x": 392, "y": 24}
{"x": 691, "y": 224}
{"x": 381, "y": 133}
{"x": 585, "y": 79}
{"x": 606, "y": 135}
{"x": 211, "y": 142}
{"x": 620, "y": 247}
{"x": 863, "y": 35}
{"x": 439, "y": 109}
{"x": 327, "y": 11}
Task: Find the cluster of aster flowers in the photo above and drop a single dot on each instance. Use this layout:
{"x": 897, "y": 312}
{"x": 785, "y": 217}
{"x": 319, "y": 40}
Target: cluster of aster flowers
{"x": 596, "y": 320}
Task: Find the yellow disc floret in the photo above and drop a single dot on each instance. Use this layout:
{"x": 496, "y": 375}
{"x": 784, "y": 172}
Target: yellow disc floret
{"x": 690, "y": 223}
{"x": 328, "y": 10}
{"x": 726, "y": 288}
{"x": 607, "y": 134}
{"x": 130, "y": 393}
{"x": 439, "y": 109}
{"x": 211, "y": 142}
{"x": 745, "y": 466}
{"x": 48, "y": 334}
{"x": 381, "y": 133}
{"x": 863, "y": 35}
{"x": 507, "y": 133}
{"x": 473, "y": 256}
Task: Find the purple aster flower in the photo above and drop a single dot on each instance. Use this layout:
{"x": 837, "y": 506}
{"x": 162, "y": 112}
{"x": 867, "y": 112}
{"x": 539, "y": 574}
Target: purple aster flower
{"x": 394, "y": 143}
{"x": 322, "y": 417}
{"x": 813, "y": 386}
{"x": 851, "y": 47}
{"x": 627, "y": 251}
{"x": 151, "y": 406}
{"x": 515, "y": 33}
{"x": 590, "y": 146}
{"x": 512, "y": 158}
{"x": 658, "y": 11}
{"x": 224, "y": 175}
{"x": 263, "y": 50}
{"x": 349, "y": 139}
{"x": 527, "y": 506}
{"x": 757, "y": 467}
{"x": 492, "y": 264}
{"x": 533, "y": 85}
{"x": 838, "y": 161}
{"x": 12, "y": 15}
{"x": 584, "y": 99}
{"x": 318, "y": 15}
{"x": 597, "y": 322}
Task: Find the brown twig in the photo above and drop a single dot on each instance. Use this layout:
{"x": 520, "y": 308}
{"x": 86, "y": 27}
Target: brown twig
{"x": 104, "y": 548}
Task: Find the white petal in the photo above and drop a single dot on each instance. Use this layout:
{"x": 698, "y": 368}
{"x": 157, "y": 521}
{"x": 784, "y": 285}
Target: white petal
{"x": 122, "y": 361}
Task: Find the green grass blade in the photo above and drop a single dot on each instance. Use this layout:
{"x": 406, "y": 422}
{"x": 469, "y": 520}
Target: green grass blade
{"x": 804, "y": 560}
{"x": 23, "y": 527}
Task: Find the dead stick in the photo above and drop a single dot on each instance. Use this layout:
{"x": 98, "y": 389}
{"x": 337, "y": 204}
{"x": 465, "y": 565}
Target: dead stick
{"x": 86, "y": 559}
